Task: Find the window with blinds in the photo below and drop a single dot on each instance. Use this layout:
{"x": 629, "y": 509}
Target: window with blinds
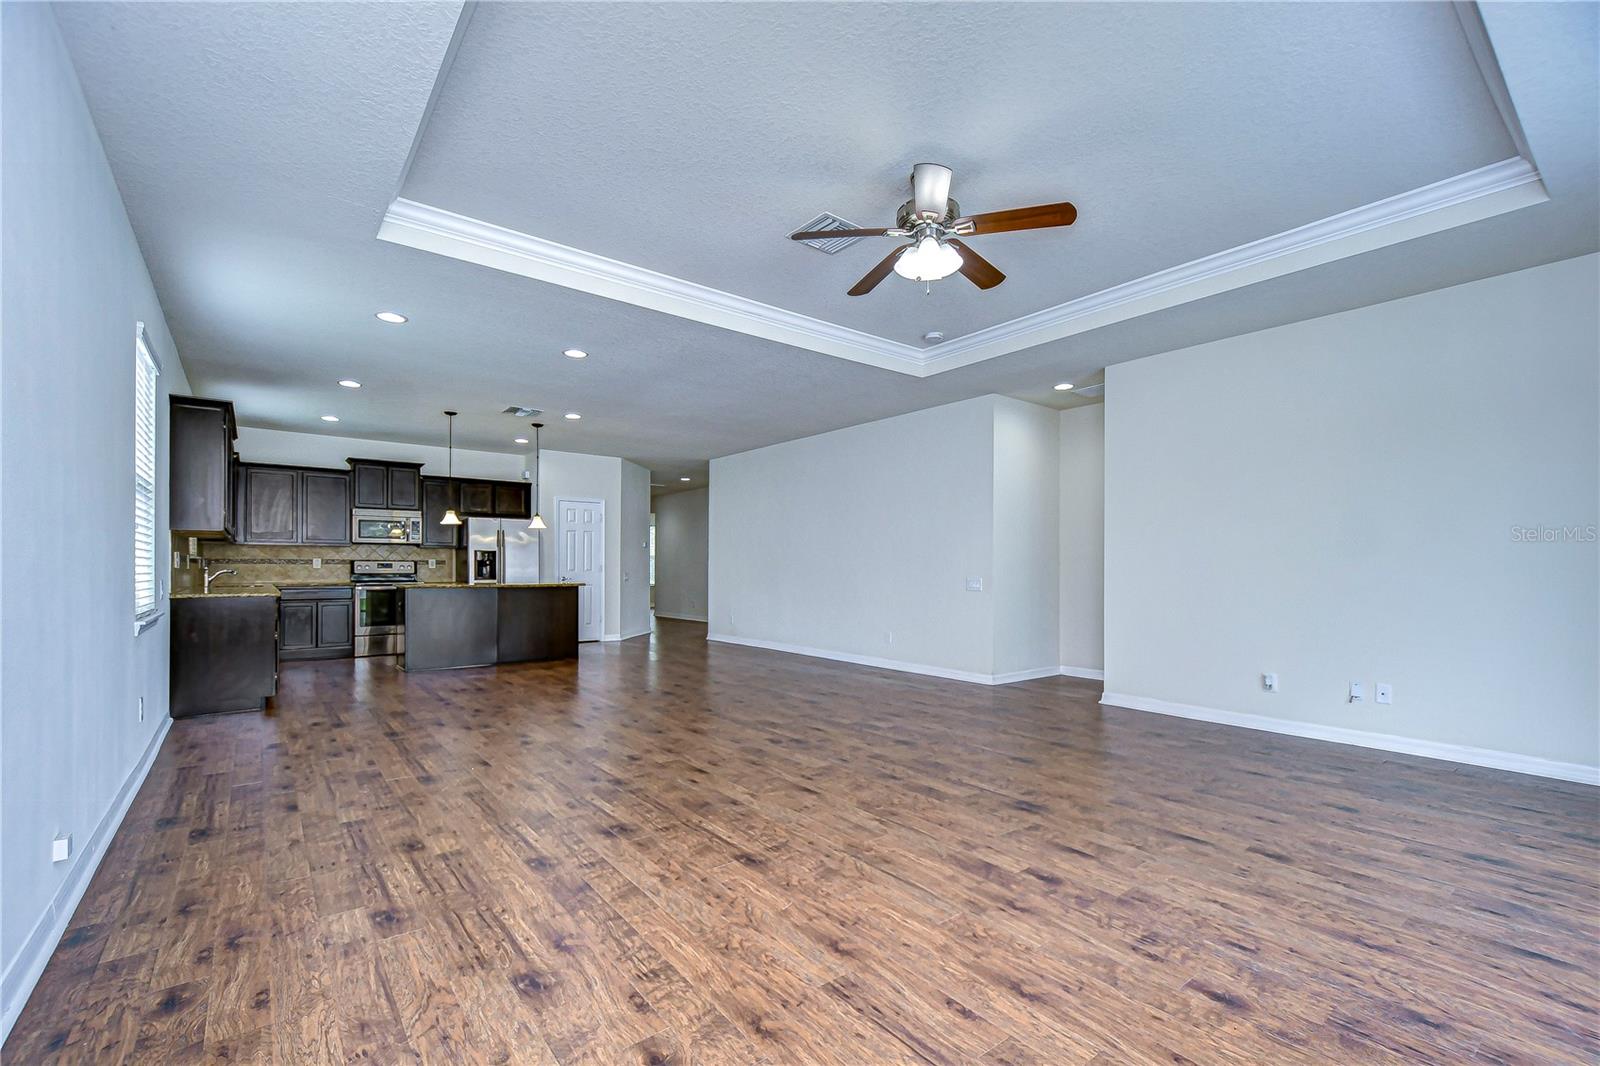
{"x": 146, "y": 604}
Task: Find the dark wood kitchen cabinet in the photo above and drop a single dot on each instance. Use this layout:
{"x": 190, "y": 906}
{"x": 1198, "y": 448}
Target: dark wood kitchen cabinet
{"x": 271, "y": 504}
{"x": 511, "y": 499}
{"x": 316, "y": 623}
{"x": 382, "y": 485}
{"x": 224, "y": 653}
{"x": 438, "y": 496}
{"x": 324, "y": 507}
{"x": 494, "y": 499}
{"x": 200, "y": 498}
{"x": 476, "y": 498}
{"x": 293, "y": 505}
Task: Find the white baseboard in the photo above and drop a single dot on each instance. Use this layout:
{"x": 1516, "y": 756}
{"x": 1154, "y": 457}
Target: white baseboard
{"x": 1428, "y": 749}
{"x": 608, "y": 637}
{"x": 1088, "y": 672}
{"x": 681, "y": 617}
{"x": 16, "y": 984}
{"x": 887, "y": 664}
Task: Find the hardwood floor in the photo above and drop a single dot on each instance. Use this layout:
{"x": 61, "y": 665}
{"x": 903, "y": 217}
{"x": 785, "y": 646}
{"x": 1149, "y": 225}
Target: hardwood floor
{"x": 678, "y": 852}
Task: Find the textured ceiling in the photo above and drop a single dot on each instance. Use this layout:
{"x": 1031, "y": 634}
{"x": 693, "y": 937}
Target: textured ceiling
{"x": 690, "y": 138}
{"x": 257, "y": 146}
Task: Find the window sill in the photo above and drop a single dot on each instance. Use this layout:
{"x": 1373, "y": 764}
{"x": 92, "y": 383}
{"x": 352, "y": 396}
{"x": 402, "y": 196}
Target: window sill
{"x": 145, "y": 621}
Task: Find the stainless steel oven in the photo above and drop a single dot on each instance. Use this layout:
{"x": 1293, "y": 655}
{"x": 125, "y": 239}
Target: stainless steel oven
{"x": 381, "y": 604}
{"x": 385, "y": 527}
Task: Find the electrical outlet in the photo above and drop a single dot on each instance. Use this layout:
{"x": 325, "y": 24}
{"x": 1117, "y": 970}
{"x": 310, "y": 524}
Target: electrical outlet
{"x": 61, "y": 848}
{"x": 1269, "y": 682}
{"x": 974, "y": 584}
{"x": 433, "y": 564}
{"x": 316, "y": 564}
{"x": 1358, "y": 692}
{"x": 177, "y": 560}
{"x": 1383, "y": 692}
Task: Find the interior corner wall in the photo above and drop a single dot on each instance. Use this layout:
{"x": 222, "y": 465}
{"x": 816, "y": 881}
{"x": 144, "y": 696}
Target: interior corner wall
{"x": 858, "y": 543}
{"x": 1027, "y": 551}
{"x": 1405, "y": 493}
{"x": 1083, "y": 540}
{"x": 585, "y": 477}
{"x": 681, "y": 555}
{"x": 635, "y": 550}
{"x": 73, "y": 748}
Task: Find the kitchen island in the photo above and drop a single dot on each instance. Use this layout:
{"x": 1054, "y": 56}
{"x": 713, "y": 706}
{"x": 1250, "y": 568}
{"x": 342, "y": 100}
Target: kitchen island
{"x": 450, "y": 626}
{"x": 224, "y": 649}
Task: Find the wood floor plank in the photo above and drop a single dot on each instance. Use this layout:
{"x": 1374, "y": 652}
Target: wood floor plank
{"x": 680, "y": 852}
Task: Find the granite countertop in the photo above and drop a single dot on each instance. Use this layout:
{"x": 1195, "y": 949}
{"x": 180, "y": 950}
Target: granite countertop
{"x": 491, "y": 585}
{"x": 224, "y": 591}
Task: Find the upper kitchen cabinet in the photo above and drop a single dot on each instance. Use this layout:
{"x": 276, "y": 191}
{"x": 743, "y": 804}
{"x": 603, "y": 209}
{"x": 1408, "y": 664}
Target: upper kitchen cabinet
{"x": 271, "y": 504}
{"x": 438, "y": 496}
{"x": 293, "y": 505}
{"x": 476, "y": 498}
{"x": 383, "y": 485}
{"x": 324, "y": 507}
{"x": 201, "y": 494}
{"x": 511, "y": 499}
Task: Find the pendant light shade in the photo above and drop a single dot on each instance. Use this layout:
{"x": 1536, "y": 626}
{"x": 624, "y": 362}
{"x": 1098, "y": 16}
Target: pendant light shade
{"x": 538, "y": 520}
{"x": 450, "y": 517}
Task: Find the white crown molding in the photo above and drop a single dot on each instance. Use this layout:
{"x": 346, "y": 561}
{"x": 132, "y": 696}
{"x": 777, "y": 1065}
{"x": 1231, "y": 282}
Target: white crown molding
{"x": 1427, "y": 749}
{"x": 432, "y": 229}
{"x": 1483, "y": 193}
{"x": 1471, "y": 197}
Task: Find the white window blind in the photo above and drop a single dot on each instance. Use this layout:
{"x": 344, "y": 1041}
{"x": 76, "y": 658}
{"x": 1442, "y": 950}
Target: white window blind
{"x": 146, "y": 606}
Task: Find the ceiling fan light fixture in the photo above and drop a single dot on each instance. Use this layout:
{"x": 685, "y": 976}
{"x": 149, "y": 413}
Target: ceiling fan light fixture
{"x": 928, "y": 260}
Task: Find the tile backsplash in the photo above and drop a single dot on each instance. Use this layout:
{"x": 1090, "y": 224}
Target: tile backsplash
{"x": 289, "y": 564}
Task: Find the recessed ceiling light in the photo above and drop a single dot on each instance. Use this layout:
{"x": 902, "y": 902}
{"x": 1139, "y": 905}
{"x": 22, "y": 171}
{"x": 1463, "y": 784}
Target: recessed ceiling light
{"x": 573, "y": 415}
{"x": 685, "y": 479}
{"x": 330, "y": 418}
{"x": 519, "y": 440}
{"x": 1064, "y": 386}
{"x": 575, "y": 353}
{"x": 350, "y": 383}
{"x": 391, "y": 316}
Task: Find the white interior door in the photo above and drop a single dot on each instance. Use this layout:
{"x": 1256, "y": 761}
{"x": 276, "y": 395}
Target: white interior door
{"x": 581, "y": 556}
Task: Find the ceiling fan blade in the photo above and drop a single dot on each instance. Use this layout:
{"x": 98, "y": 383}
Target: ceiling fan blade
{"x": 1040, "y": 217}
{"x": 975, "y": 268}
{"x": 825, "y": 234}
{"x": 930, "y": 190}
{"x": 878, "y": 273}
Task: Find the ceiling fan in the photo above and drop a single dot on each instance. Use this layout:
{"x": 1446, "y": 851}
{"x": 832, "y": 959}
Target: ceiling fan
{"x": 933, "y": 221}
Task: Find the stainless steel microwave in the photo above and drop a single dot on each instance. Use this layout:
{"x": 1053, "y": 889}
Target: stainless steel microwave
{"x": 385, "y": 527}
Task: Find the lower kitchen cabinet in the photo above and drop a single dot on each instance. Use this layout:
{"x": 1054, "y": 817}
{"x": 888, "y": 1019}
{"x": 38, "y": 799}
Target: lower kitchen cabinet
{"x": 224, "y": 653}
{"x": 316, "y": 623}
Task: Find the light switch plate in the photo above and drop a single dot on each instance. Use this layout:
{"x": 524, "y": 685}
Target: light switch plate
{"x": 61, "y": 848}
{"x": 974, "y": 584}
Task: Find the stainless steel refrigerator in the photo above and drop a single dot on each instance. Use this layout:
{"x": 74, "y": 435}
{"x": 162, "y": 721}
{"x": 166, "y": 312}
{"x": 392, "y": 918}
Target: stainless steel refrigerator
{"x": 501, "y": 551}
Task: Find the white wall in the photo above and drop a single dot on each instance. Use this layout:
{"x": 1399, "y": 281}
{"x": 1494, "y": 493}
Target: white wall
{"x": 587, "y": 477}
{"x": 1027, "y": 553}
{"x": 317, "y": 449}
{"x": 635, "y": 550}
{"x": 1338, "y": 500}
{"x": 858, "y": 544}
{"x": 681, "y": 555}
{"x": 72, "y": 747}
{"x": 1083, "y": 539}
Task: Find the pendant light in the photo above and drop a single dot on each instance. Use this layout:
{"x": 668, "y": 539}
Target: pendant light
{"x": 538, "y": 521}
{"x": 450, "y": 517}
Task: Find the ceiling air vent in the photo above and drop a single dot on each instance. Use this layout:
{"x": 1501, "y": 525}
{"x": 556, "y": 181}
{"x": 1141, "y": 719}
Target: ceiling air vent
{"x": 828, "y": 245}
{"x": 522, "y": 412}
